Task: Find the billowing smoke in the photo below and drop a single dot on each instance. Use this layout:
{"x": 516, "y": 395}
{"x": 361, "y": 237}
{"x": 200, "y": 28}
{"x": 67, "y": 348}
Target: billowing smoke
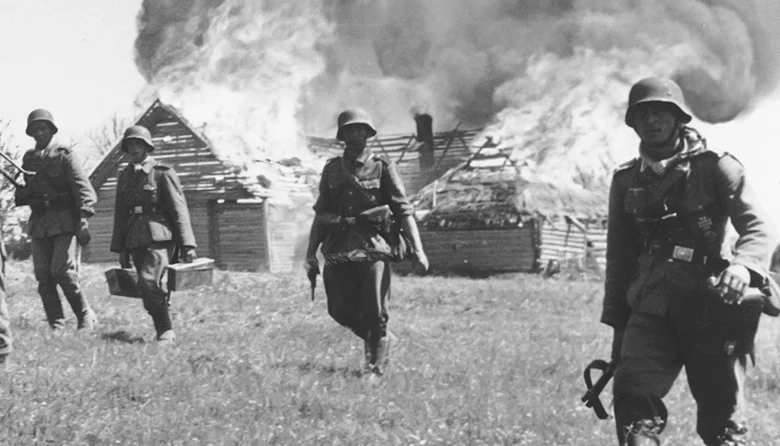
{"x": 547, "y": 77}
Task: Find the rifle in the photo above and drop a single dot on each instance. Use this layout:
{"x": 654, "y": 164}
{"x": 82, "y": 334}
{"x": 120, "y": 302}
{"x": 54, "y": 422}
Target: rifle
{"x": 591, "y": 397}
{"x": 19, "y": 169}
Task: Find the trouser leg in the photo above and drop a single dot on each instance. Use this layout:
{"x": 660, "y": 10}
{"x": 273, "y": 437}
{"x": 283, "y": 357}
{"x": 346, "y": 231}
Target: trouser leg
{"x": 42, "y": 252}
{"x": 150, "y": 263}
{"x": 5, "y": 321}
{"x": 357, "y": 299}
{"x": 717, "y": 385}
{"x": 650, "y": 363}
{"x": 357, "y": 296}
{"x": 65, "y": 270}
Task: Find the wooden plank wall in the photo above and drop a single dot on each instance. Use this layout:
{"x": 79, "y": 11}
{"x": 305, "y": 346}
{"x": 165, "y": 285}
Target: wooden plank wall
{"x": 567, "y": 244}
{"x": 240, "y": 233}
{"x": 484, "y": 251}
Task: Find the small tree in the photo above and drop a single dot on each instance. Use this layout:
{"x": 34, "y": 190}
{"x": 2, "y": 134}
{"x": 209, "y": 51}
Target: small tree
{"x": 12, "y": 219}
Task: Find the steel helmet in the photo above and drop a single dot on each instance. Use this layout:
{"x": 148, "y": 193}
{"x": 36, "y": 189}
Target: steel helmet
{"x": 40, "y": 115}
{"x": 355, "y": 116}
{"x": 657, "y": 89}
{"x": 138, "y": 132}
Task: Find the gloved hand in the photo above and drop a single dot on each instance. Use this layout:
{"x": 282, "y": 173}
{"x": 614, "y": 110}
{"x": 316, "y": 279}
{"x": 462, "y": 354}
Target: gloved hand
{"x": 187, "y": 254}
{"x": 124, "y": 259}
{"x": 82, "y": 236}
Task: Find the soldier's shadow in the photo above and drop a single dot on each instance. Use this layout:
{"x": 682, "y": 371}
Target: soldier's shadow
{"x": 123, "y": 336}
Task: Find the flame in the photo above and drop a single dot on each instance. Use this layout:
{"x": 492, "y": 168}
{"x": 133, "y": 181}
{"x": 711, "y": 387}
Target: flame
{"x": 548, "y": 78}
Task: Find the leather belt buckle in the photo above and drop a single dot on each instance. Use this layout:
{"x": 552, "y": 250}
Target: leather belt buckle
{"x": 682, "y": 253}
{"x": 138, "y": 210}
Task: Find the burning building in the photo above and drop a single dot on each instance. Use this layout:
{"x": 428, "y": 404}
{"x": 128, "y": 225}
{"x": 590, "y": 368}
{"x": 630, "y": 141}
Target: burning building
{"x": 244, "y": 222}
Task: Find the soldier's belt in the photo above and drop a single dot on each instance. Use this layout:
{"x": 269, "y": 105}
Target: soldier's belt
{"x": 679, "y": 253}
{"x": 145, "y": 209}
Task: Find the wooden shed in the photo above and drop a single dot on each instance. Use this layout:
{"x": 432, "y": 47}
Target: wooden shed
{"x": 485, "y": 217}
{"x": 235, "y": 217}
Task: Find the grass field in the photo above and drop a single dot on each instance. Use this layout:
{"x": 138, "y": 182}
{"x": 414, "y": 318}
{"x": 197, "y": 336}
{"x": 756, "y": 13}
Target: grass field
{"x": 480, "y": 362}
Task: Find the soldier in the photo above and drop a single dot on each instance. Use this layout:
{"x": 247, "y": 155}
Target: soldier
{"x": 357, "y": 271}
{"x": 151, "y": 225}
{"x": 62, "y": 200}
{"x": 669, "y": 293}
{"x": 5, "y": 322}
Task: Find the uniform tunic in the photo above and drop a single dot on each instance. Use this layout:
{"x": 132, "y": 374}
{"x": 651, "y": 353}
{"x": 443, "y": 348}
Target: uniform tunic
{"x": 655, "y": 284}
{"x": 151, "y": 219}
{"x": 356, "y": 272}
{"x": 58, "y": 194}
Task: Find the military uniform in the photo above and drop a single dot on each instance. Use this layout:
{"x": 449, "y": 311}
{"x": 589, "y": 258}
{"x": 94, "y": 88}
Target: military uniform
{"x": 357, "y": 272}
{"x": 59, "y": 195}
{"x": 6, "y": 344}
{"x": 151, "y": 220}
{"x": 665, "y": 239}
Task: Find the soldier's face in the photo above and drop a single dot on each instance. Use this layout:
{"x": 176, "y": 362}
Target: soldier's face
{"x": 137, "y": 150}
{"x": 355, "y": 136}
{"x": 42, "y": 133}
{"x": 655, "y": 122}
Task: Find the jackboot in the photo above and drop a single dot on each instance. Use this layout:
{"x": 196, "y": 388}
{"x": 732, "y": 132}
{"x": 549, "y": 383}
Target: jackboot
{"x": 161, "y": 317}
{"x": 87, "y": 320}
{"x": 378, "y": 353}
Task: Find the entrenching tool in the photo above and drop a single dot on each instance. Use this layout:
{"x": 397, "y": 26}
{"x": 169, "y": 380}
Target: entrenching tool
{"x": 591, "y": 397}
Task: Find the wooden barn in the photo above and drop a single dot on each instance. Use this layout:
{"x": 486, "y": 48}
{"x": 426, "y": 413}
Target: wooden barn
{"x": 483, "y": 217}
{"x": 240, "y": 221}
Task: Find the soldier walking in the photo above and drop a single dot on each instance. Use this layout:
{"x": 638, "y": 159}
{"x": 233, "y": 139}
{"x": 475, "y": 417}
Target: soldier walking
{"x": 669, "y": 293}
{"x": 151, "y": 225}
{"x": 62, "y": 200}
{"x": 357, "y": 269}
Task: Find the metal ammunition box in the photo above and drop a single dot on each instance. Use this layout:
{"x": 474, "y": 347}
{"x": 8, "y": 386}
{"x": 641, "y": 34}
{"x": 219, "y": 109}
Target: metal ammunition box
{"x": 186, "y": 276}
{"x": 123, "y": 282}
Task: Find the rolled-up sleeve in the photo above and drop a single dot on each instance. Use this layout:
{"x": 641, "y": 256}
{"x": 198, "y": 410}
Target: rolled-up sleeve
{"x": 394, "y": 193}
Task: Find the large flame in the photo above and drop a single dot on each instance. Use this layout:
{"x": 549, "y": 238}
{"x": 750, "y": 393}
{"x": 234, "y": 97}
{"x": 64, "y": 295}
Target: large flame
{"x": 548, "y": 78}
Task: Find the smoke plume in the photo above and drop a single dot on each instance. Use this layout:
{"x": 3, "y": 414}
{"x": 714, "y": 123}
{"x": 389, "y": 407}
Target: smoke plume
{"x": 548, "y": 78}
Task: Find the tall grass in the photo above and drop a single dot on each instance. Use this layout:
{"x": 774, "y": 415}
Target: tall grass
{"x": 479, "y": 362}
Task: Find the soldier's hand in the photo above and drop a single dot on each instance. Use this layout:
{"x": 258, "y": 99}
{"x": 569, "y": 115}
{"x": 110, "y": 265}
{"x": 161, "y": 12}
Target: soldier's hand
{"x": 83, "y": 237}
{"x": 420, "y": 262}
{"x": 732, "y": 282}
{"x": 187, "y": 254}
{"x": 124, "y": 259}
{"x": 312, "y": 267}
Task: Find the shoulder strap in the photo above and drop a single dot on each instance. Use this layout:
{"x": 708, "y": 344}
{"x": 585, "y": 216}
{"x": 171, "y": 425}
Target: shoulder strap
{"x": 353, "y": 181}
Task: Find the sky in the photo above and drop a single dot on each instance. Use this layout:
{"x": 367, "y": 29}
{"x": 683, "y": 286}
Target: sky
{"x": 72, "y": 57}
